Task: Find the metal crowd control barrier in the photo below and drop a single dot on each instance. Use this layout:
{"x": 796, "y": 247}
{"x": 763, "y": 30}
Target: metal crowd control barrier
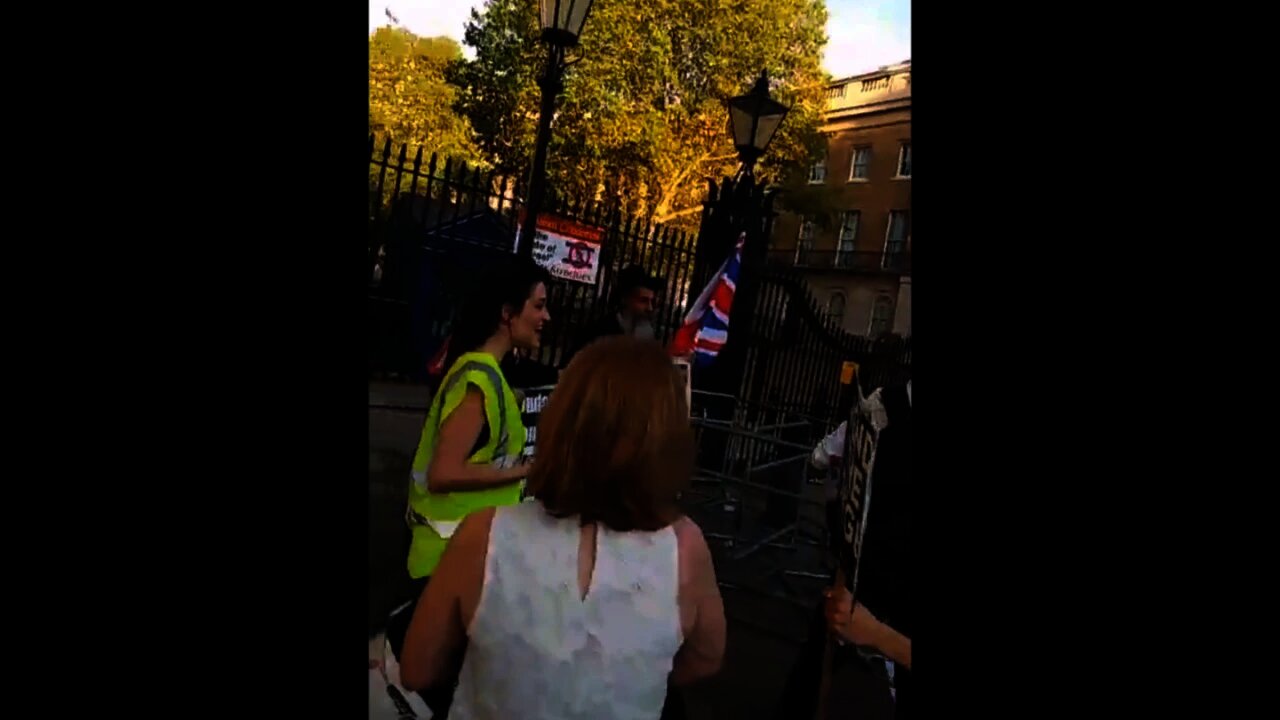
{"x": 757, "y": 501}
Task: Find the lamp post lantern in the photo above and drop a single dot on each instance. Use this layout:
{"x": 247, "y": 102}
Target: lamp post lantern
{"x": 562, "y": 22}
{"x": 754, "y": 118}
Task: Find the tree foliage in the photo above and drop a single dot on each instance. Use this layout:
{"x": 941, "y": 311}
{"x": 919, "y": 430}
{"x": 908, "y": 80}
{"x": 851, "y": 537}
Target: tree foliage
{"x": 642, "y": 118}
{"x": 409, "y": 99}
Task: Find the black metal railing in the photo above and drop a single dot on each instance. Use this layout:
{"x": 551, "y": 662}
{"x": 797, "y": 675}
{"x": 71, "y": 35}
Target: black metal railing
{"x": 797, "y": 350}
{"x": 898, "y": 263}
{"x": 433, "y": 225}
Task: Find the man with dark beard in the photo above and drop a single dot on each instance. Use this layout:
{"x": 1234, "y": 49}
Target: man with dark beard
{"x": 635, "y": 300}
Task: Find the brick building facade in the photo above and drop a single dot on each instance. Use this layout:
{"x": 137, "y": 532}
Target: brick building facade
{"x": 857, "y": 260}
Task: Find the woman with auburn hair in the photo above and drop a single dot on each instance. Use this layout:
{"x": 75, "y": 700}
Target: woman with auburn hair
{"x": 583, "y": 603}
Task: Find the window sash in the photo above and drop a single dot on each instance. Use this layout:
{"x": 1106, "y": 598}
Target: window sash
{"x": 861, "y": 165}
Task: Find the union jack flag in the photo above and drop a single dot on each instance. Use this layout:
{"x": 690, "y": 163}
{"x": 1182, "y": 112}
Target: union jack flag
{"x": 706, "y": 326}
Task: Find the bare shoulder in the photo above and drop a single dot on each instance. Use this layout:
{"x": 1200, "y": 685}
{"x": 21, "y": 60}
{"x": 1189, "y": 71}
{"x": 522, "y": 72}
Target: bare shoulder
{"x": 695, "y": 556}
{"x": 688, "y": 533}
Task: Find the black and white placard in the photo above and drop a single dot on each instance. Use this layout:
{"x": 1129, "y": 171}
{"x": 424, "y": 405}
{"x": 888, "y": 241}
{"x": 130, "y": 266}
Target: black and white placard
{"x": 533, "y": 401}
{"x": 861, "y": 436}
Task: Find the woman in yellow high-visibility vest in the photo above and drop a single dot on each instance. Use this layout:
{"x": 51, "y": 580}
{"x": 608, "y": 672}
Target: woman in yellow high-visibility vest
{"x": 469, "y": 456}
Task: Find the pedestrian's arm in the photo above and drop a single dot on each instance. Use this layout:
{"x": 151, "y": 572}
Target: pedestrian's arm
{"x": 831, "y": 446}
{"x": 895, "y": 645}
{"x": 703, "y": 650}
{"x": 449, "y": 470}
{"x": 437, "y": 632}
{"x": 853, "y": 622}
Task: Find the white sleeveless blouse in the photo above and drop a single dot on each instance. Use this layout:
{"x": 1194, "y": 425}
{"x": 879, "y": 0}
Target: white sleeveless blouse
{"x": 537, "y": 650}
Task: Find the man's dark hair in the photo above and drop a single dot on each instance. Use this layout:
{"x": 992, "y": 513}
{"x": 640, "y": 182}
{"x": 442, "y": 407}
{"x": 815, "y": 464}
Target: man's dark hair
{"x": 632, "y": 277}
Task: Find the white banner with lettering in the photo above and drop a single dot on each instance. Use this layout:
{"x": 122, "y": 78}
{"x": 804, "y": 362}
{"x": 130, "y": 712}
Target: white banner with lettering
{"x": 568, "y": 249}
{"x": 567, "y": 258}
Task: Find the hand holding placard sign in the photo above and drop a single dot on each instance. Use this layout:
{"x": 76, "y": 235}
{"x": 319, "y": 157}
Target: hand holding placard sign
{"x": 861, "y": 434}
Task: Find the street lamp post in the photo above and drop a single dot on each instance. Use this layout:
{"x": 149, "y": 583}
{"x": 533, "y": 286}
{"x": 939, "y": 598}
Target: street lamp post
{"x": 754, "y": 118}
{"x": 562, "y": 22}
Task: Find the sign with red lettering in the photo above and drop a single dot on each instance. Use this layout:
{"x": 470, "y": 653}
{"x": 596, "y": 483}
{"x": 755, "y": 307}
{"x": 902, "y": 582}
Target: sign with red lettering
{"x": 567, "y": 248}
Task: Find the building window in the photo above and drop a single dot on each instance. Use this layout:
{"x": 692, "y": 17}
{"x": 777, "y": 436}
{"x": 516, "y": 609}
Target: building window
{"x": 904, "y": 160}
{"x": 835, "y": 308}
{"x": 880, "y": 83}
{"x": 848, "y": 238}
{"x": 804, "y": 241}
{"x": 861, "y": 166}
{"x": 881, "y": 317}
{"x": 895, "y": 237}
{"x": 836, "y": 92}
{"x": 818, "y": 173}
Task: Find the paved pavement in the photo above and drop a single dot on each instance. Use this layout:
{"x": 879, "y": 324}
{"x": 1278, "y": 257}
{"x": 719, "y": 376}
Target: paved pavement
{"x": 393, "y": 437}
{"x": 764, "y": 633}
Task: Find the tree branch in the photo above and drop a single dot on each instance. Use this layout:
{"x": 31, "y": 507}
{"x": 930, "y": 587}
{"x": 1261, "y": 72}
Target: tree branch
{"x": 719, "y": 158}
{"x": 670, "y": 188}
{"x": 679, "y": 213}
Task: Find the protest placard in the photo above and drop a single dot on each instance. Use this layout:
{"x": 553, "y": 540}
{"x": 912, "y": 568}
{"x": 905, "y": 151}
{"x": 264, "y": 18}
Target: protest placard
{"x": 531, "y": 407}
{"x": 861, "y": 436}
{"x": 567, "y": 248}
